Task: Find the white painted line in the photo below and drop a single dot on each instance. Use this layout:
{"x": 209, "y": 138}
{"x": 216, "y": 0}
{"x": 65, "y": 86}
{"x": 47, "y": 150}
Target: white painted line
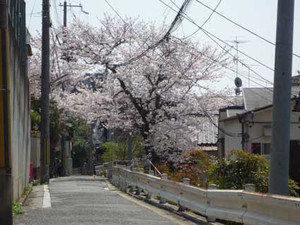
{"x": 106, "y": 189}
{"x": 46, "y": 199}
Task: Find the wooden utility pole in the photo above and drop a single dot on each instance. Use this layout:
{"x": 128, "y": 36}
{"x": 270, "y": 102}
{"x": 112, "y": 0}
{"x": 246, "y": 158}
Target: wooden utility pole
{"x": 282, "y": 99}
{"x": 65, "y": 13}
{"x": 65, "y": 6}
{"x": 45, "y": 91}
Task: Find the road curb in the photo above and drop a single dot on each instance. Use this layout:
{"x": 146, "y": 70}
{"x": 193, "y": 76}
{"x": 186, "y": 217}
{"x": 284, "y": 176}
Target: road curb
{"x": 23, "y": 199}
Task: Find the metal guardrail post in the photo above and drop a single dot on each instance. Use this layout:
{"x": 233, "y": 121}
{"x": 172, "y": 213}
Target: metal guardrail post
{"x": 212, "y": 187}
{"x": 149, "y": 195}
{"x": 186, "y": 180}
{"x": 109, "y": 171}
{"x": 163, "y": 200}
{"x": 250, "y": 187}
{"x": 138, "y": 191}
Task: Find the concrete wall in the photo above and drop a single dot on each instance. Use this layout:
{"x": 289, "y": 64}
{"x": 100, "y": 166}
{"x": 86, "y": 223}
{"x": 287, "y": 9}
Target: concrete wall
{"x": 20, "y": 121}
{"x": 232, "y": 142}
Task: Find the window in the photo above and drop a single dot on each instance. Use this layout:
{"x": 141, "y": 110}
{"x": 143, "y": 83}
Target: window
{"x": 266, "y": 149}
{"x": 261, "y": 148}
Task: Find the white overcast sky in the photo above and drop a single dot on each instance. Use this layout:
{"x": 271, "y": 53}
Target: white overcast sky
{"x": 256, "y": 15}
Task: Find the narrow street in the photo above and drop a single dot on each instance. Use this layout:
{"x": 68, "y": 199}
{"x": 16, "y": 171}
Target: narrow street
{"x": 86, "y": 200}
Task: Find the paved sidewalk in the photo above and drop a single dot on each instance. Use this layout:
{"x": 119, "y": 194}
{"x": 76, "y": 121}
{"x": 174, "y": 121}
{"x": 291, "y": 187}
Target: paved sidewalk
{"x": 35, "y": 198}
{"x": 84, "y": 200}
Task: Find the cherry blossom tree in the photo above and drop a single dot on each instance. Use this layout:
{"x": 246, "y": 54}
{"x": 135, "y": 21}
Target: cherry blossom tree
{"x": 124, "y": 74}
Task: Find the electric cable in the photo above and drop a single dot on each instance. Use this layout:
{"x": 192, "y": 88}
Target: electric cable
{"x": 242, "y": 27}
{"x": 31, "y": 14}
{"x": 56, "y": 12}
{"x": 226, "y": 67}
{"x": 210, "y": 35}
{"x": 203, "y": 24}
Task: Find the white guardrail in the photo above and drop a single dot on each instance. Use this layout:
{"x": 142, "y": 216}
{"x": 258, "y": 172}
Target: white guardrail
{"x": 240, "y": 206}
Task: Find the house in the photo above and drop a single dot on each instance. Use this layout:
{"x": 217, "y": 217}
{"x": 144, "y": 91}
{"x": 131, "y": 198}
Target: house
{"x": 248, "y": 126}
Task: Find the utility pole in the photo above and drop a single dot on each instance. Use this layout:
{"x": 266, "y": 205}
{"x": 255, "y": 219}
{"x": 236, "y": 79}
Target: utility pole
{"x": 45, "y": 91}
{"x": 282, "y": 99}
{"x": 65, "y": 5}
{"x": 65, "y": 13}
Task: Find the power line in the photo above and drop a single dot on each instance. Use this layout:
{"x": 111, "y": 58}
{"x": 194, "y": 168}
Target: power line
{"x": 115, "y": 11}
{"x": 217, "y": 126}
{"x": 56, "y": 12}
{"x": 248, "y": 56}
{"x": 149, "y": 47}
{"x": 235, "y": 23}
{"x": 229, "y": 68}
{"x": 210, "y": 35}
{"x": 175, "y": 23}
{"x": 203, "y": 24}
{"x": 242, "y": 27}
{"x": 232, "y": 70}
{"x": 31, "y": 13}
{"x": 200, "y": 53}
{"x": 213, "y": 60}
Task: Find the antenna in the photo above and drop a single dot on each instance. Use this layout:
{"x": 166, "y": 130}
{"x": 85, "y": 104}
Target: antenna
{"x": 238, "y": 83}
{"x": 236, "y": 60}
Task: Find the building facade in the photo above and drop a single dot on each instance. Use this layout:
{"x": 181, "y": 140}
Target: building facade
{"x": 248, "y": 127}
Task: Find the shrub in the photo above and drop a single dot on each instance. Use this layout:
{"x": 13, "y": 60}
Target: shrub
{"x": 113, "y": 151}
{"x": 242, "y": 168}
{"x": 119, "y": 150}
{"x": 194, "y": 165}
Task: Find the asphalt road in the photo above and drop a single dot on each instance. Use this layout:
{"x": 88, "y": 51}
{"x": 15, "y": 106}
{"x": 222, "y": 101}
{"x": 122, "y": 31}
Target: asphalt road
{"x": 86, "y": 201}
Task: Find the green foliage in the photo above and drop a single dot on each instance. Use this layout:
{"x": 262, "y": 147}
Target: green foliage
{"x": 242, "y": 168}
{"x": 55, "y": 122}
{"x": 77, "y": 127}
{"x": 293, "y": 187}
{"x": 35, "y": 182}
{"x": 239, "y": 169}
{"x": 16, "y": 207}
{"x": 35, "y": 119}
{"x": 195, "y": 164}
{"x": 27, "y": 191}
{"x": 56, "y": 125}
{"x": 119, "y": 151}
{"x": 113, "y": 151}
{"x": 78, "y": 131}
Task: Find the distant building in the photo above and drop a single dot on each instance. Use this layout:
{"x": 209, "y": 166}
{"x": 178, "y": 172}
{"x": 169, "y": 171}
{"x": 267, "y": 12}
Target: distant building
{"x": 248, "y": 126}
